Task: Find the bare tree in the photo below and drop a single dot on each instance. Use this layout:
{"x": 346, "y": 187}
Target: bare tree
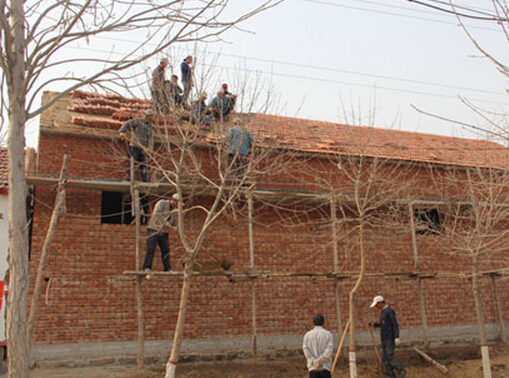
{"x": 366, "y": 188}
{"x": 475, "y": 228}
{"x": 212, "y": 179}
{"x": 34, "y": 33}
{"x": 492, "y": 123}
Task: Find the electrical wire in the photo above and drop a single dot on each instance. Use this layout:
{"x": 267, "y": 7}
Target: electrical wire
{"x": 460, "y": 14}
{"x": 322, "y": 2}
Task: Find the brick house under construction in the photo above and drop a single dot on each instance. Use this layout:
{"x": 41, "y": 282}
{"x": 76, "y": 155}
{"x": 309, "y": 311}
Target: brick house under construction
{"x": 89, "y": 309}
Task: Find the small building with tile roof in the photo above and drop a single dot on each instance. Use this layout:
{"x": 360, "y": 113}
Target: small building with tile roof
{"x": 89, "y": 306}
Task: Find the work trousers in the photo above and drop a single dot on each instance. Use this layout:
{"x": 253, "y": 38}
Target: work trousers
{"x": 187, "y": 91}
{"x": 238, "y": 164}
{"x": 390, "y": 361}
{"x": 140, "y": 161}
{"x": 160, "y": 104}
{"x": 319, "y": 374}
{"x": 155, "y": 238}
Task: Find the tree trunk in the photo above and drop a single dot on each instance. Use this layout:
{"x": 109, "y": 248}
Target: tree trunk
{"x": 498, "y": 309}
{"x": 486, "y": 367}
{"x": 171, "y": 365}
{"x": 17, "y": 301}
{"x": 253, "y": 282}
{"x": 352, "y": 354}
{"x": 335, "y": 252}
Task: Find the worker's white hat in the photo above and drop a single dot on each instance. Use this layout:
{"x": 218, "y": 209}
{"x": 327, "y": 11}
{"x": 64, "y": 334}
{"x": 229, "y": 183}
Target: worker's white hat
{"x": 175, "y": 197}
{"x": 376, "y": 300}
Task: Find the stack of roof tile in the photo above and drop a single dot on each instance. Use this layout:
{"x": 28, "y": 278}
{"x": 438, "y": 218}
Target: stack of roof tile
{"x": 110, "y": 111}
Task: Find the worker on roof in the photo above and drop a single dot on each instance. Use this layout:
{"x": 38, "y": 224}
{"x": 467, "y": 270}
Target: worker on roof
{"x": 157, "y": 87}
{"x": 186, "y": 69}
{"x": 174, "y": 92}
{"x": 239, "y": 143}
{"x": 317, "y": 347}
{"x": 200, "y": 111}
{"x": 164, "y": 217}
{"x": 141, "y": 139}
{"x": 389, "y": 335}
{"x": 221, "y": 106}
{"x": 227, "y": 93}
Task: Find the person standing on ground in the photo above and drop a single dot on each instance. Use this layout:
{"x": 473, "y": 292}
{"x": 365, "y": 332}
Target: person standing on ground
{"x": 317, "y": 347}
{"x": 186, "y": 70}
{"x": 389, "y": 335}
{"x": 163, "y": 218}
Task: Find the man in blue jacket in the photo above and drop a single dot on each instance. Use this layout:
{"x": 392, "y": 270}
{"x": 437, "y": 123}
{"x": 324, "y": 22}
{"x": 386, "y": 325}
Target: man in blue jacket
{"x": 239, "y": 143}
{"x": 389, "y": 335}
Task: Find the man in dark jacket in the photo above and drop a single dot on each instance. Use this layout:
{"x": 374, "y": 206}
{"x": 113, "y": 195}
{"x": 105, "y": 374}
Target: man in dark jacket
{"x": 389, "y": 335}
{"x": 175, "y": 92}
{"x": 187, "y": 77}
{"x": 200, "y": 111}
{"x": 141, "y": 138}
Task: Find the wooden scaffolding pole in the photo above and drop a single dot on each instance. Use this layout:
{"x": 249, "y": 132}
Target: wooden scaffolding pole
{"x": 58, "y": 211}
{"x": 135, "y": 200}
{"x": 500, "y": 317}
{"x": 422, "y": 304}
{"x": 253, "y": 281}
{"x": 335, "y": 252}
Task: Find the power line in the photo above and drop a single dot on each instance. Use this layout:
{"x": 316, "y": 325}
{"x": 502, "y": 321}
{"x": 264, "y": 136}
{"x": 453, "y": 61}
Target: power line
{"x": 470, "y": 8}
{"x": 323, "y": 2}
{"x": 323, "y": 80}
{"x": 459, "y": 14}
{"x": 338, "y": 70}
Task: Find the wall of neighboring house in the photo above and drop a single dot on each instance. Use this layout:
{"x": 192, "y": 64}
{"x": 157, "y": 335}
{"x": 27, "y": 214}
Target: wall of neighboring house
{"x": 4, "y": 250}
{"x": 89, "y": 301}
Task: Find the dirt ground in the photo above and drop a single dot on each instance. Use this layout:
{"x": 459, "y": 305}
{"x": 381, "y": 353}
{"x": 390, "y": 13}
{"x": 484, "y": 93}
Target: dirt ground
{"x": 463, "y": 362}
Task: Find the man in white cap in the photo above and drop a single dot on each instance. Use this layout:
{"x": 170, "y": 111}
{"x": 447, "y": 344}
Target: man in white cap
{"x": 163, "y": 218}
{"x": 389, "y": 335}
{"x": 317, "y": 347}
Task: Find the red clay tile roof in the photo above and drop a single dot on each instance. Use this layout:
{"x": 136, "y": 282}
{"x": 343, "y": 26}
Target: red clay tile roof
{"x": 108, "y": 112}
{"x": 4, "y": 168}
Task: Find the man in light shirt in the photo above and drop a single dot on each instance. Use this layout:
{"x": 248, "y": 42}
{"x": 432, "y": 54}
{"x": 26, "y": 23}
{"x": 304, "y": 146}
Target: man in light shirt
{"x": 164, "y": 217}
{"x": 317, "y": 346}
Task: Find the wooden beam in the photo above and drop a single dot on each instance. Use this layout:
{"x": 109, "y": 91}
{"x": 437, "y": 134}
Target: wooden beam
{"x": 340, "y": 347}
{"x": 264, "y": 193}
{"x": 253, "y": 282}
{"x": 422, "y": 304}
{"x": 58, "y": 211}
{"x": 436, "y": 364}
{"x": 139, "y": 292}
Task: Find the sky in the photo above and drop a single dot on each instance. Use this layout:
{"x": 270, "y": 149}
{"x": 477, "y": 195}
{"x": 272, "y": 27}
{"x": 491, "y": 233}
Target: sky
{"x": 363, "y": 62}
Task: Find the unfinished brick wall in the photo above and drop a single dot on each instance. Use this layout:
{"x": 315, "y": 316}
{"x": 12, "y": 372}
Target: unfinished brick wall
{"x": 90, "y": 300}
